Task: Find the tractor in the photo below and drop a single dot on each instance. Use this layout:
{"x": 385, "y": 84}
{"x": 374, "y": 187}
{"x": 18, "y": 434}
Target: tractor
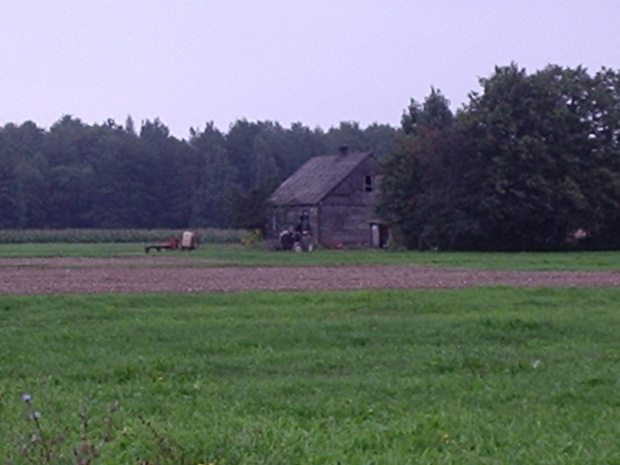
{"x": 298, "y": 238}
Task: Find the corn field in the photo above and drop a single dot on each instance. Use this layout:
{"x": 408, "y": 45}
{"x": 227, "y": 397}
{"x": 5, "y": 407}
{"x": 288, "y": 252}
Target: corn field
{"x": 92, "y": 236}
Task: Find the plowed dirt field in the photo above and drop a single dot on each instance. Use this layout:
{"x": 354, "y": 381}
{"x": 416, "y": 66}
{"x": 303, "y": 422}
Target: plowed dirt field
{"x": 165, "y": 274}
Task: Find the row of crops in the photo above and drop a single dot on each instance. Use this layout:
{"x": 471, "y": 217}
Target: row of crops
{"x": 205, "y": 236}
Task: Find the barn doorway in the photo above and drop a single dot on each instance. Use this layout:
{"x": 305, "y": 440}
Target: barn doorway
{"x": 379, "y": 235}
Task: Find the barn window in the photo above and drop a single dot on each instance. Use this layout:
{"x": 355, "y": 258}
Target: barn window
{"x": 368, "y": 184}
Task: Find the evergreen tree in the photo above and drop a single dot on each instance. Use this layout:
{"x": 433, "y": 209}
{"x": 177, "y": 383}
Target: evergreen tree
{"x": 214, "y": 183}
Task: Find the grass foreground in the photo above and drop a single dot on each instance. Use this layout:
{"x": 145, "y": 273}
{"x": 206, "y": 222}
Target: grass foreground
{"x": 494, "y": 376}
{"x": 239, "y": 255}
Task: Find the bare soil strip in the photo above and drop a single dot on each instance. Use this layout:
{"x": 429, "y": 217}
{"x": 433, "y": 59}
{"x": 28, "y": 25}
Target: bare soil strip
{"x": 64, "y": 277}
{"x": 103, "y": 262}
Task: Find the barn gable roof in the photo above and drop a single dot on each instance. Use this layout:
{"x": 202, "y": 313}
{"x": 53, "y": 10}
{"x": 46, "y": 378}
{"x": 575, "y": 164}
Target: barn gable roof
{"x": 316, "y": 178}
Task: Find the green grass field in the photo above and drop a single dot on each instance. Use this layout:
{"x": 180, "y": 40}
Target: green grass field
{"x": 236, "y": 254}
{"x": 477, "y": 376}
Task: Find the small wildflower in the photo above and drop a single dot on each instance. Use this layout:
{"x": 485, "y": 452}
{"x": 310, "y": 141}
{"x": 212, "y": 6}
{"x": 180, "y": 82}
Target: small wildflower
{"x": 445, "y": 437}
{"x": 26, "y": 397}
{"x": 35, "y": 415}
{"x": 113, "y": 407}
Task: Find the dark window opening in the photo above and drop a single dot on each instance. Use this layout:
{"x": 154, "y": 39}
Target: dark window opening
{"x": 368, "y": 184}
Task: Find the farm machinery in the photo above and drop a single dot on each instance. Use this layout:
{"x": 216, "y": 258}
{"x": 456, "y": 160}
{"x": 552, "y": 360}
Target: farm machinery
{"x": 297, "y": 241}
{"x": 186, "y": 242}
{"x": 298, "y": 238}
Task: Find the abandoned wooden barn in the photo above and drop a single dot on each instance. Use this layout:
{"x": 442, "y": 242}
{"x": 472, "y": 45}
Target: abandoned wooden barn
{"x": 339, "y": 193}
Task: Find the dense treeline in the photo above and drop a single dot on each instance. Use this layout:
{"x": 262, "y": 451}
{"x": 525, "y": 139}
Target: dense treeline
{"x": 529, "y": 161}
{"x": 111, "y": 176}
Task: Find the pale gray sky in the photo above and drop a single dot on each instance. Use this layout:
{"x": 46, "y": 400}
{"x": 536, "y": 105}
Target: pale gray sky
{"x": 318, "y": 62}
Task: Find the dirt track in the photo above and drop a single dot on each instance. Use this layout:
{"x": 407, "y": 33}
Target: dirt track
{"x": 95, "y": 276}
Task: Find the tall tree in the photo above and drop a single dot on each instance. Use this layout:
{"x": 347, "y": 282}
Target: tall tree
{"x": 69, "y": 152}
{"x": 602, "y": 186}
{"x": 31, "y": 186}
{"x": 215, "y": 177}
{"x": 239, "y": 146}
{"x": 23, "y": 177}
{"x": 8, "y": 200}
{"x": 166, "y": 179}
{"x": 528, "y": 138}
{"x": 419, "y": 192}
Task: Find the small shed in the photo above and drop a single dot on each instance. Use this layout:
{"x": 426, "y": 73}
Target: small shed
{"x": 338, "y": 193}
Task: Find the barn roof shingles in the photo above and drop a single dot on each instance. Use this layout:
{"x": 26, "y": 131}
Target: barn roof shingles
{"x": 316, "y": 178}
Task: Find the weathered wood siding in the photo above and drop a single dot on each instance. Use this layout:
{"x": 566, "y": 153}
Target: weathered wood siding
{"x": 346, "y": 213}
{"x": 345, "y": 225}
{"x": 352, "y": 190}
{"x": 344, "y": 216}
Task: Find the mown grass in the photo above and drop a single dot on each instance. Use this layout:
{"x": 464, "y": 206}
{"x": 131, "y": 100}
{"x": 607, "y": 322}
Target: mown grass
{"x": 239, "y": 255}
{"x": 59, "y": 249}
{"x": 256, "y": 256}
{"x": 494, "y": 375}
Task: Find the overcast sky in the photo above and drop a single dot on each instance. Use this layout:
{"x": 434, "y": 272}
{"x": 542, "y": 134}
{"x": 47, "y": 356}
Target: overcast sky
{"x": 188, "y": 62}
